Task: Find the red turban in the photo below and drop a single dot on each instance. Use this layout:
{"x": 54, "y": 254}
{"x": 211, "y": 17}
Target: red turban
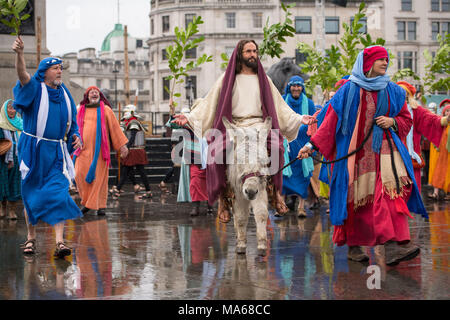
{"x": 444, "y": 102}
{"x": 409, "y": 88}
{"x": 371, "y": 54}
{"x": 85, "y": 100}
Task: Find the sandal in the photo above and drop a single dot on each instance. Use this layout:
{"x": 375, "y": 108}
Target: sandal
{"x": 29, "y": 249}
{"x": 62, "y": 250}
{"x": 146, "y": 195}
{"x": 163, "y": 187}
{"x": 138, "y": 188}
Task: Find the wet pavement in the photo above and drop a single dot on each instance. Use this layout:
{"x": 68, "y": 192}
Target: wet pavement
{"x": 152, "y": 250}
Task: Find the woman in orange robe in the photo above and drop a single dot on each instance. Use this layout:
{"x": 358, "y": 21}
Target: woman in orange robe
{"x": 92, "y": 177}
{"x": 441, "y": 175}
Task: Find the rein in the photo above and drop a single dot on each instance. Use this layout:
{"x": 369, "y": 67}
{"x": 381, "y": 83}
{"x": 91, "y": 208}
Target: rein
{"x": 388, "y": 136}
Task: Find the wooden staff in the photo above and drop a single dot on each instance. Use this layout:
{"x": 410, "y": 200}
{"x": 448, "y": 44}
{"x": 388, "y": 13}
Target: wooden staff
{"x": 127, "y": 67}
{"x": 38, "y": 41}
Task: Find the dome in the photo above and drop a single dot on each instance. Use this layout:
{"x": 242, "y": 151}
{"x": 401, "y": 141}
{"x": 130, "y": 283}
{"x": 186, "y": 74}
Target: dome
{"x": 117, "y": 32}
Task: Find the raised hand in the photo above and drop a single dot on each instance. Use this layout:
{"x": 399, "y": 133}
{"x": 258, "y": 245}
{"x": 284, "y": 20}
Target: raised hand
{"x": 308, "y": 120}
{"x": 18, "y": 45}
{"x": 180, "y": 119}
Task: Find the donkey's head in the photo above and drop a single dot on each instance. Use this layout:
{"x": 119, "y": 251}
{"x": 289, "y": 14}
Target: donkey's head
{"x": 250, "y": 170}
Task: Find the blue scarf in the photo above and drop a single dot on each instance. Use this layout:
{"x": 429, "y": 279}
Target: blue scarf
{"x": 17, "y": 122}
{"x": 98, "y": 143}
{"x": 358, "y": 79}
{"x": 347, "y": 113}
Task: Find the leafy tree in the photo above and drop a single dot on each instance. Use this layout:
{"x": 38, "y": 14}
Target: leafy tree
{"x": 184, "y": 41}
{"x": 439, "y": 65}
{"x": 326, "y": 70}
{"x": 10, "y": 14}
{"x": 274, "y": 35}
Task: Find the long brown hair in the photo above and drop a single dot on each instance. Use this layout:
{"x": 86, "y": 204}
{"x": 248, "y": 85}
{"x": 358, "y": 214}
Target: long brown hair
{"x": 239, "y": 58}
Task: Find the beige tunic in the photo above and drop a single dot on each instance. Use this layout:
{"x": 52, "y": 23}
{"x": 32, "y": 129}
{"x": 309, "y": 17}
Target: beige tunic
{"x": 246, "y": 107}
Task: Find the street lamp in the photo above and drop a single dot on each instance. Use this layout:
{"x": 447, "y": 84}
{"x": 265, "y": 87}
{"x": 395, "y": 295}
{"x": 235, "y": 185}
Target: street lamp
{"x": 189, "y": 91}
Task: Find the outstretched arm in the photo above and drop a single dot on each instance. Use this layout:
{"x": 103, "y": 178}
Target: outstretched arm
{"x": 24, "y": 76}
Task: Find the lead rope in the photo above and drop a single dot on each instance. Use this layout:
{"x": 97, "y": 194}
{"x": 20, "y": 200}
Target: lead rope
{"x": 397, "y": 182}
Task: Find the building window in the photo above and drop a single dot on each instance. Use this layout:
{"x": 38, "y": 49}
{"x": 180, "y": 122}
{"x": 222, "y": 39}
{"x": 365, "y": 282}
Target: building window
{"x": 229, "y": 51}
{"x": 445, "y": 5}
{"x": 439, "y": 28}
{"x": 188, "y": 18}
{"x": 165, "y": 88}
{"x": 362, "y": 21}
{"x": 407, "y": 59}
{"x": 440, "y": 5}
{"x": 140, "y": 106}
{"x": 192, "y": 81}
{"x": 257, "y": 19}
{"x": 300, "y": 57}
{"x": 112, "y": 84}
{"x": 302, "y": 24}
{"x": 191, "y": 53}
{"x": 434, "y": 5}
{"x": 98, "y": 83}
{"x": 152, "y": 26}
{"x": 411, "y": 30}
{"x": 406, "y": 5}
{"x": 164, "y": 54}
{"x": 231, "y": 19}
{"x": 406, "y": 30}
{"x": 165, "y": 24}
{"x": 141, "y": 84}
{"x": 332, "y": 25}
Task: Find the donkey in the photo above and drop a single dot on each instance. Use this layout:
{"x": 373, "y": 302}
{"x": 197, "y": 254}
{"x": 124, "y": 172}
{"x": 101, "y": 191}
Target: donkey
{"x": 248, "y": 172}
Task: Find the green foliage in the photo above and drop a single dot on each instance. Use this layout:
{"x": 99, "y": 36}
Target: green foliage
{"x": 184, "y": 41}
{"x": 439, "y": 65}
{"x": 404, "y": 74}
{"x": 10, "y": 14}
{"x": 326, "y": 70}
{"x": 274, "y": 35}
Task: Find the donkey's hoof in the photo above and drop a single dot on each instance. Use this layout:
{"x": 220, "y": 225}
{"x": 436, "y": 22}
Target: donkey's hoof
{"x": 262, "y": 252}
{"x": 241, "y": 250}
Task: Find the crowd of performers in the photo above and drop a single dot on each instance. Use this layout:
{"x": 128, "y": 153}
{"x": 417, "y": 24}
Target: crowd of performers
{"x": 370, "y": 133}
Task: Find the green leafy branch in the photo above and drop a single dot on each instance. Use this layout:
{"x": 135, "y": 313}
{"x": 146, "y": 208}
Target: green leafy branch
{"x": 10, "y": 14}
{"x": 176, "y": 53}
{"x": 274, "y": 35}
{"x": 438, "y": 66}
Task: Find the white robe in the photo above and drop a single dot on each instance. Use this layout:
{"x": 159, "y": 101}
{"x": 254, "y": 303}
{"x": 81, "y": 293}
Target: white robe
{"x": 246, "y": 107}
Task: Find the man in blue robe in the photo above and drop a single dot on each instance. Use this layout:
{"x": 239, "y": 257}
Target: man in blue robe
{"x": 297, "y": 184}
{"x": 50, "y": 134}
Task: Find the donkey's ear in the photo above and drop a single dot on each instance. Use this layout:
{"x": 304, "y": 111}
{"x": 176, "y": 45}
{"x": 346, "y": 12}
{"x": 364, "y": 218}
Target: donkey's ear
{"x": 227, "y": 124}
{"x": 268, "y": 123}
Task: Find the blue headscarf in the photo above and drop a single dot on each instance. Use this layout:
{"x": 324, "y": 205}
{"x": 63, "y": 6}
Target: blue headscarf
{"x": 379, "y": 83}
{"x": 44, "y": 65}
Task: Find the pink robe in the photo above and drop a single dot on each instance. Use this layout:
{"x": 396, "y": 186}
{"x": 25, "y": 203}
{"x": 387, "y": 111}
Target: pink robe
{"x": 379, "y": 220}
{"x": 426, "y": 124}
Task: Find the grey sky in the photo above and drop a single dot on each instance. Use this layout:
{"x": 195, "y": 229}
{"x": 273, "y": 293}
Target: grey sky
{"x": 76, "y": 24}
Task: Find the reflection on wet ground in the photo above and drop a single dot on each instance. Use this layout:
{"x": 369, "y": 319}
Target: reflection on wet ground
{"x": 153, "y": 249}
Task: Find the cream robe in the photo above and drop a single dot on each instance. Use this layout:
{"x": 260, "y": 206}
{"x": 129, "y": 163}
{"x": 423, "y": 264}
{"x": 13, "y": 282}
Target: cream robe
{"x": 246, "y": 107}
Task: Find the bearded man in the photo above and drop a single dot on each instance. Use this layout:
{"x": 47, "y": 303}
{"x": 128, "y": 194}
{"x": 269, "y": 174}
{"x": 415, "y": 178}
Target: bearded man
{"x": 245, "y": 96}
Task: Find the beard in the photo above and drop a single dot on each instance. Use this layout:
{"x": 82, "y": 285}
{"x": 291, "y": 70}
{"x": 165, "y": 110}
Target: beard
{"x": 253, "y": 64}
{"x": 57, "y": 83}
